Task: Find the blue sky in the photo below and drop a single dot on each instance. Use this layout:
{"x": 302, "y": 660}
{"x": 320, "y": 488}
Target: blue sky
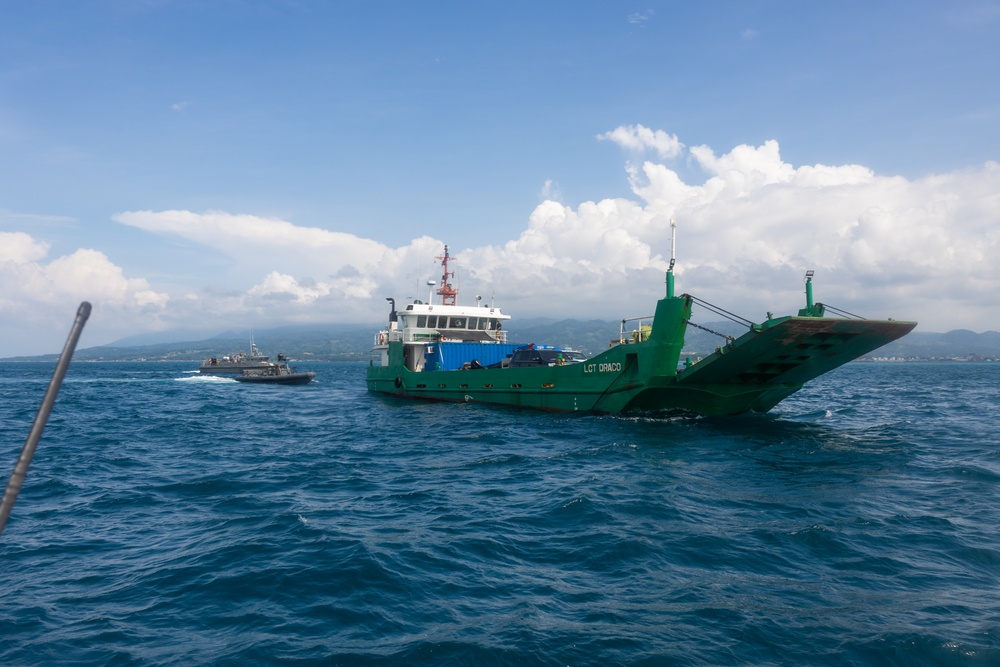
{"x": 212, "y": 166}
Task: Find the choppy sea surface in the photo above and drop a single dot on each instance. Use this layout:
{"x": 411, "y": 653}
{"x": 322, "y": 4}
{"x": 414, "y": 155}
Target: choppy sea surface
{"x": 174, "y": 519}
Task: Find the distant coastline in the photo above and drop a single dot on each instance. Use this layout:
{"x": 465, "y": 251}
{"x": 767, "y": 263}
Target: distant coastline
{"x": 353, "y": 343}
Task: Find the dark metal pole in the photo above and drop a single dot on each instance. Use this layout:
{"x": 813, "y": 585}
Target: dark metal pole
{"x": 28, "y": 451}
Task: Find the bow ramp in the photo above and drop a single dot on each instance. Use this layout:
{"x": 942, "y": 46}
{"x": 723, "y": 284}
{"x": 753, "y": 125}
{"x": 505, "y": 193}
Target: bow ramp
{"x": 776, "y": 358}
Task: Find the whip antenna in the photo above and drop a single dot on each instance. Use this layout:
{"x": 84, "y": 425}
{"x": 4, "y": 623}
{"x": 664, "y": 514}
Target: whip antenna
{"x": 673, "y": 242}
{"x": 673, "y": 258}
{"x": 35, "y": 434}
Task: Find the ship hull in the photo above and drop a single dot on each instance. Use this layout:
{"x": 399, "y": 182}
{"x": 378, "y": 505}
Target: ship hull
{"x": 283, "y": 378}
{"x": 751, "y": 374}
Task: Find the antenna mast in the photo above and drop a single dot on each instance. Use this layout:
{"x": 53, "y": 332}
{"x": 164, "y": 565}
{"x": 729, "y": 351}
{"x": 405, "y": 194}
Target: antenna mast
{"x": 446, "y": 291}
{"x": 673, "y": 241}
{"x": 673, "y": 258}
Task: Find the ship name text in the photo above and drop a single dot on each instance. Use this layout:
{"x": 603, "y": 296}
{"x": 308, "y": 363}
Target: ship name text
{"x": 615, "y": 367}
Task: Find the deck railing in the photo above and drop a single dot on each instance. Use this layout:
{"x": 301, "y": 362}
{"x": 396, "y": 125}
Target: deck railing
{"x": 637, "y": 334}
{"x": 448, "y": 334}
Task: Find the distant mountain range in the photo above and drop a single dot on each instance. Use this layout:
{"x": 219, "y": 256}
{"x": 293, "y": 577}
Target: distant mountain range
{"x": 353, "y": 342}
{"x": 594, "y": 335}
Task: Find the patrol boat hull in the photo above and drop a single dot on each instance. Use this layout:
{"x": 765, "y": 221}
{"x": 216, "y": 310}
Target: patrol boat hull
{"x": 279, "y": 373}
{"x": 274, "y": 378}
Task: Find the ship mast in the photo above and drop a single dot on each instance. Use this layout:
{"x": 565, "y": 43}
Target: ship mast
{"x": 673, "y": 258}
{"x": 446, "y": 291}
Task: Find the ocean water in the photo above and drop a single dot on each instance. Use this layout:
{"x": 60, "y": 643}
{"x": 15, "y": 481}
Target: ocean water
{"x": 175, "y": 519}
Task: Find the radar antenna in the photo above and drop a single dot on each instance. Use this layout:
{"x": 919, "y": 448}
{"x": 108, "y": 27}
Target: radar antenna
{"x": 446, "y": 291}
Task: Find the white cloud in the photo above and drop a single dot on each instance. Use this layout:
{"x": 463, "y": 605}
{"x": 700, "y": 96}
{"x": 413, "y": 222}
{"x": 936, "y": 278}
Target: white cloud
{"x": 354, "y": 285}
{"x": 255, "y": 240}
{"x": 288, "y": 273}
{"x": 19, "y": 248}
{"x": 89, "y": 275}
{"x": 639, "y": 18}
{"x": 26, "y": 281}
{"x": 40, "y": 298}
{"x": 882, "y": 246}
{"x": 639, "y": 138}
{"x": 551, "y": 190}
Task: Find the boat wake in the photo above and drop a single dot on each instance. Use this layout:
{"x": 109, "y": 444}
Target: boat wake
{"x": 209, "y": 379}
{"x": 815, "y": 415}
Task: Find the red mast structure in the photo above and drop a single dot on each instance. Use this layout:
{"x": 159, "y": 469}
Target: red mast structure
{"x": 447, "y": 292}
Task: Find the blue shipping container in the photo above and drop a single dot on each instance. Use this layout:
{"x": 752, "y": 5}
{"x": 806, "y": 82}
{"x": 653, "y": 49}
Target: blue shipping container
{"x": 451, "y": 356}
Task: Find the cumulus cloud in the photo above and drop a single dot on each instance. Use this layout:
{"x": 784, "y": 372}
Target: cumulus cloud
{"x": 26, "y": 279}
{"x": 285, "y": 272}
{"x": 883, "y": 246}
{"x": 40, "y": 297}
{"x": 638, "y": 138}
{"x": 19, "y": 248}
{"x": 355, "y": 286}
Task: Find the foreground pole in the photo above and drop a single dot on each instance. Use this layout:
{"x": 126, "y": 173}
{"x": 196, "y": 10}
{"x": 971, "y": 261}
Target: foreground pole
{"x": 28, "y": 451}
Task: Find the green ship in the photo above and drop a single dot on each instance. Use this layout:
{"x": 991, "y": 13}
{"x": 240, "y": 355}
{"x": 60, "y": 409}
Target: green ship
{"x": 448, "y": 352}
